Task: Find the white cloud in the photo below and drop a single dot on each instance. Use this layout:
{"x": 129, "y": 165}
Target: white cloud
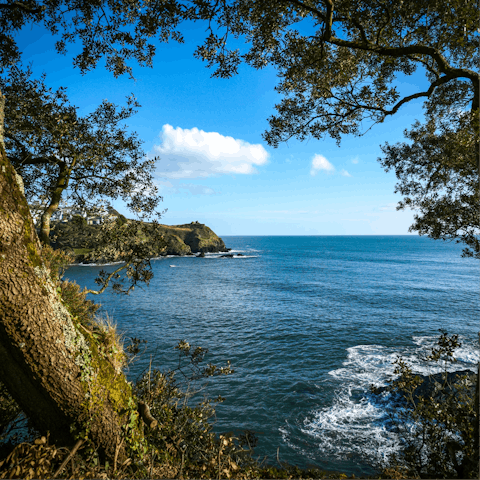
{"x": 355, "y": 160}
{"x": 193, "y": 153}
{"x": 319, "y": 162}
{"x": 345, "y": 173}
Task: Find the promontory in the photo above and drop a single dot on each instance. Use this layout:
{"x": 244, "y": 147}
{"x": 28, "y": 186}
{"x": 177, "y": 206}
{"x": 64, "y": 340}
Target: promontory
{"x": 79, "y": 237}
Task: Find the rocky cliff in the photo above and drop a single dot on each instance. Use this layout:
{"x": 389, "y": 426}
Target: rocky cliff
{"x": 186, "y": 239}
{"x": 194, "y": 236}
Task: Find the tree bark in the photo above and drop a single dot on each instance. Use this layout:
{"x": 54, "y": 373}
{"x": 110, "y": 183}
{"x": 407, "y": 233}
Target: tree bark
{"x": 476, "y": 429}
{"x": 51, "y": 365}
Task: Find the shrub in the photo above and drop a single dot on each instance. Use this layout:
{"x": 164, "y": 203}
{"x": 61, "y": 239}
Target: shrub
{"x": 184, "y": 435}
{"x": 76, "y": 302}
{"x": 437, "y": 429}
{"x": 56, "y": 261}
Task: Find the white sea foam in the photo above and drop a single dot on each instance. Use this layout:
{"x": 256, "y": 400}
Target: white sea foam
{"x": 246, "y": 250}
{"x": 357, "y": 422}
{"x": 220, "y": 255}
{"x": 352, "y": 427}
{"x": 366, "y": 365}
{"x": 94, "y": 264}
{"x": 467, "y": 355}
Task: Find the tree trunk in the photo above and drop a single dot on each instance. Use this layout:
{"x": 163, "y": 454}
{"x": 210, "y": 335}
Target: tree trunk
{"x": 476, "y": 430}
{"x": 50, "y": 364}
{"x": 476, "y": 111}
{"x": 56, "y": 195}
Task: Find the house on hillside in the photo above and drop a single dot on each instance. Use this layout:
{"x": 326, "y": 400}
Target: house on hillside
{"x": 66, "y": 212}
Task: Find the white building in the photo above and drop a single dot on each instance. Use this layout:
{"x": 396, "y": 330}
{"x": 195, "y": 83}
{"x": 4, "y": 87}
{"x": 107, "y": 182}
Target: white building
{"x": 65, "y": 213}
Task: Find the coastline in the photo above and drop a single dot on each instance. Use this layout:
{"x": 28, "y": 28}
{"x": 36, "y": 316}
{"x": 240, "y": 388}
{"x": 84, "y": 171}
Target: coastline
{"x": 194, "y": 239}
{"x": 226, "y": 253}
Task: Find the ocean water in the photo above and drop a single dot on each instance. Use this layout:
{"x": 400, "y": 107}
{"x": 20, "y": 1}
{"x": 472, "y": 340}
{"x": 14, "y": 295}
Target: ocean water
{"x": 308, "y": 323}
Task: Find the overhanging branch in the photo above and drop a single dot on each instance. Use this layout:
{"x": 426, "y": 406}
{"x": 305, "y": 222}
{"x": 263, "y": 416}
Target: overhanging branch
{"x": 106, "y": 282}
{"x": 22, "y": 6}
{"x": 430, "y": 90}
{"x": 440, "y": 60}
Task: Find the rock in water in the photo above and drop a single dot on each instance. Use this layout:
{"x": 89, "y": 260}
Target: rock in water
{"x": 432, "y": 385}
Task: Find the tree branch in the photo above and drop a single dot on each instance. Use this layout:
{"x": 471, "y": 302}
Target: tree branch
{"x": 106, "y": 282}
{"x": 361, "y": 29}
{"x": 144, "y": 411}
{"x": 355, "y": 107}
{"x": 430, "y": 90}
{"x": 316, "y": 12}
{"x": 22, "y": 6}
{"x": 339, "y": 122}
{"x": 77, "y": 178}
{"x": 408, "y": 51}
{"x": 42, "y": 160}
{"x": 404, "y": 100}
{"x": 440, "y": 60}
{"x": 329, "y": 19}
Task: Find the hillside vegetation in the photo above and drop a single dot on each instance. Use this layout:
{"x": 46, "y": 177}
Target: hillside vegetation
{"x": 80, "y": 238}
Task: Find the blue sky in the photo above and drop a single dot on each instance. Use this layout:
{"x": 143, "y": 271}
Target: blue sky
{"x": 214, "y": 166}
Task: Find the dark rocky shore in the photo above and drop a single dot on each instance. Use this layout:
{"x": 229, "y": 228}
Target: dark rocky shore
{"x": 431, "y": 385}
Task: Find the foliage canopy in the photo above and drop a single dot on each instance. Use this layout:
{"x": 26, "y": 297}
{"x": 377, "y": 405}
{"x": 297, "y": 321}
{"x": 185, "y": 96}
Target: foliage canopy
{"x": 337, "y": 62}
{"x": 63, "y": 156}
{"x": 85, "y": 161}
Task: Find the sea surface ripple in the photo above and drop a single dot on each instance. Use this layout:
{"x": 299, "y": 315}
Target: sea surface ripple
{"x": 308, "y": 323}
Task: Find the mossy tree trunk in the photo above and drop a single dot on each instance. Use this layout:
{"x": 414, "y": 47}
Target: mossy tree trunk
{"x": 50, "y": 364}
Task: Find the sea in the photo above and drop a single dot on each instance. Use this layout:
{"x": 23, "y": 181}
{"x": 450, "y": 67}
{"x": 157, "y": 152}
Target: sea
{"x": 308, "y": 324}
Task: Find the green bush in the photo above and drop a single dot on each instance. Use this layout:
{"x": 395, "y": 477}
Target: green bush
{"x": 76, "y": 302}
{"x": 184, "y": 435}
{"x": 437, "y": 431}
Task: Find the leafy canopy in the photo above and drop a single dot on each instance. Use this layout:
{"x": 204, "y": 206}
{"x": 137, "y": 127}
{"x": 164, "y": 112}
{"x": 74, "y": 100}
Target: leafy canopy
{"x": 115, "y": 30}
{"x": 336, "y": 60}
{"x": 62, "y": 156}
{"x": 337, "y": 63}
{"x": 438, "y": 175}
{"x": 95, "y": 156}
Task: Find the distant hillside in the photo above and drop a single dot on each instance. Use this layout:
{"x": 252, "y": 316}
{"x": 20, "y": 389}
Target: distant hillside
{"x": 186, "y": 239}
